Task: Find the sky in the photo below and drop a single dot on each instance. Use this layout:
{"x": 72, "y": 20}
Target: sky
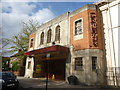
{"x": 14, "y": 13}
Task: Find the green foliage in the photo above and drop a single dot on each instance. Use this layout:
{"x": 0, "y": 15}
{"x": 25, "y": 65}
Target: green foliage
{"x": 20, "y": 41}
{"x": 15, "y": 66}
{"x": 5, "y": 62}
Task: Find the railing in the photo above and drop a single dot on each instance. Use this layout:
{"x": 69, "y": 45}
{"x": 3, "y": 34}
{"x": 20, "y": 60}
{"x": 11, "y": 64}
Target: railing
{"x": 113, "y": 76}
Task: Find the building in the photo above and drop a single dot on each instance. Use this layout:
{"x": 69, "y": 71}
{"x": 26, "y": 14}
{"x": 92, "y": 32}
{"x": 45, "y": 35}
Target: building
{"x": 70, "y": 44}
{"x": 17, "y": 63}
{"x": 110, "y": 19}
{"x": 5, "y": 63}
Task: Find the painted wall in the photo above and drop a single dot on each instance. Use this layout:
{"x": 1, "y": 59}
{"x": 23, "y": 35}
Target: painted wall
{"x": 111, "y": 26}
{"x": 63, "y": 22}
{"x": 29, "y": 71}
{"x": 111, "y": 32}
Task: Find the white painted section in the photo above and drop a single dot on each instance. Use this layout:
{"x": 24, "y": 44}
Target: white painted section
{"x": 110, "y": 21}
{"x": 29, "y": 72}
{"x": 63, "y": 22}
{"x": 114, "y": 15}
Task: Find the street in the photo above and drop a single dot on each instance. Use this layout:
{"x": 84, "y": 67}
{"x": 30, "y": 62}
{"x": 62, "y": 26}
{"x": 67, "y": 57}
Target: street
{"x": 40, "y": 84}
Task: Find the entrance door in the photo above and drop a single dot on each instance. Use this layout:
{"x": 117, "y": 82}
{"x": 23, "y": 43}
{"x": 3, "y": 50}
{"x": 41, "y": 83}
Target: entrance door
{"x": 56, "y": 68}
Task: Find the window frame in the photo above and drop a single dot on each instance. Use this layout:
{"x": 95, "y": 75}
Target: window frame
{"x": 29, "y": 65}
{"x": 79, "y": 64}
{"x": 31, "y": 42}
{"x": 75, "y": 26}
{"x": 57, "y": 33}
{"x": 49, "y": 35}
{"x": 94, "y": 62}
{"x": 42, "y": 38}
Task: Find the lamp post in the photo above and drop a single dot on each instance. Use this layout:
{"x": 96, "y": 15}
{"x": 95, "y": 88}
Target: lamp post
{"x": 47, "y": 66}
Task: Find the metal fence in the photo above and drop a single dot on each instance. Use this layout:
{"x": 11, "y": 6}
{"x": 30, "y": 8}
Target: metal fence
{"x": 113, "y": 76}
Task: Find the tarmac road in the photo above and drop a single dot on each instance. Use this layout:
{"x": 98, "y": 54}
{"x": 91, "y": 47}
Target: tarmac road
{"x": 40, "y": 84}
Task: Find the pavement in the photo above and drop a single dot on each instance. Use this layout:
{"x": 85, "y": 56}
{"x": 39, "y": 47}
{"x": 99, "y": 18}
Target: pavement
{"x": 40, "y": 84}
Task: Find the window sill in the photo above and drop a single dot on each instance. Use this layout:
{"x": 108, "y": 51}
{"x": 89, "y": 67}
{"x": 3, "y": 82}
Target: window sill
{"x": 77, "y": 37}
{"x": 79, "y": 70}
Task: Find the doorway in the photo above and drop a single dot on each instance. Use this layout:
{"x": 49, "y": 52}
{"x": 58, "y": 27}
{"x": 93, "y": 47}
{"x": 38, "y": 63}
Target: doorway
{"x": 56, "y": 68}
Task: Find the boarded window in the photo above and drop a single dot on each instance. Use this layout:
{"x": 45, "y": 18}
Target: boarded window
{"x": 29, "y": 64}
{"x": 94, "y": 63}
{"x": 31, "y": 42}
{"x": 79, "y": 63}
{"x": 42, "y": 38}
{"x": 78, "y": 27}
{"x": 57, "y": 34}
{"x": 49, "y": 36}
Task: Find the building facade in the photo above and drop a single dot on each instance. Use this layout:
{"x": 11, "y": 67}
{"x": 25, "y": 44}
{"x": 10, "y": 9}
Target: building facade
{"x": 111, "y": 28}
{"x": 70, "y": 44}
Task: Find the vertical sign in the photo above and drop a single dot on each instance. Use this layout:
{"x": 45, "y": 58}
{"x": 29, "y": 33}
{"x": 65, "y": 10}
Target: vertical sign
{"x": 93, "y": 26}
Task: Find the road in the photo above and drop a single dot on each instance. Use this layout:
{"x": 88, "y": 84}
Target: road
{"x": 40, "y": 84}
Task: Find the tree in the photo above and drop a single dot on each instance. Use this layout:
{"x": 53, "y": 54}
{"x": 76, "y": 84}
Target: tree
{"x": 20, "y": 42}
{"x": 5, "y": 63}
{"x": 3, "y": 44}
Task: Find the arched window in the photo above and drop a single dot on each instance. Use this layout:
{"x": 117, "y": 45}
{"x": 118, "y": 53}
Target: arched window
{"x": 57, "y": 33}
{"x": 49, "y": 36}
{"x": 31, "y": 43}
{"x": 42, "y": 38}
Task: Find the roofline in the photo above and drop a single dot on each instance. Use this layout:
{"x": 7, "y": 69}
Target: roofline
{"x": 87, "y": 6}
{"x": 103, "y": 1}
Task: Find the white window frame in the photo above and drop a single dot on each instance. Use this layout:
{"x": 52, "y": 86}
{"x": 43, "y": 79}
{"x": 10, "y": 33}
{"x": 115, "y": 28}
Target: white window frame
{"x": 80, "y": 36}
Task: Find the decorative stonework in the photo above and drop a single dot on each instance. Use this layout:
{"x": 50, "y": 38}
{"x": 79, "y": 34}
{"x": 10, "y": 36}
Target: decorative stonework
{"x": 93, "y": 27}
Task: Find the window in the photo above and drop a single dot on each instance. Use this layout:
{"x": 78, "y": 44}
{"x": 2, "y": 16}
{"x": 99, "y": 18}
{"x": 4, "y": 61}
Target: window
{"x": 94, "y": 63}
{"x": 42, "y": 38}
{"x": 49, "y": 36}
{"x": 29, "y": 64}
{"x": 31, "y": 42}
{"x": 78, "y": 27}
{"x": 57, "y": 34}
{"x": 79, "y": 63}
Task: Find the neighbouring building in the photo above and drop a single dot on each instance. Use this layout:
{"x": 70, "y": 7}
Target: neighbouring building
{"x": 5, "y": 63}
{"x": 70, "y": 44}
{"x": 17, "y": 63}
{"x": 111, "y": 26}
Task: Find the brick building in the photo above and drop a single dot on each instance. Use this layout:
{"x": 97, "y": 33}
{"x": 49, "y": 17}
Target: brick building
{"x": 70, "y": 44}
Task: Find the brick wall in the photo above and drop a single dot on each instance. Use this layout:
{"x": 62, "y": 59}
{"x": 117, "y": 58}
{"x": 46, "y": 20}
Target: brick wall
{"x": 86, "y": 41}
{"x": 32, "y": 36}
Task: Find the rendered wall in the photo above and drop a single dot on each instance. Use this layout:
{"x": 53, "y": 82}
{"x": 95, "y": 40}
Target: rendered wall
{"x": 111, "y": 26}
{"x": 29, "y": 72}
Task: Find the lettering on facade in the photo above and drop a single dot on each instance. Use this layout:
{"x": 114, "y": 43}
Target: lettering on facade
{"x": 93, "y": 26}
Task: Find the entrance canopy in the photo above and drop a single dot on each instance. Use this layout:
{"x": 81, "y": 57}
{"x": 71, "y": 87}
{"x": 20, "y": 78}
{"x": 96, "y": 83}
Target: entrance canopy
{"x": 55, "y": 48}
